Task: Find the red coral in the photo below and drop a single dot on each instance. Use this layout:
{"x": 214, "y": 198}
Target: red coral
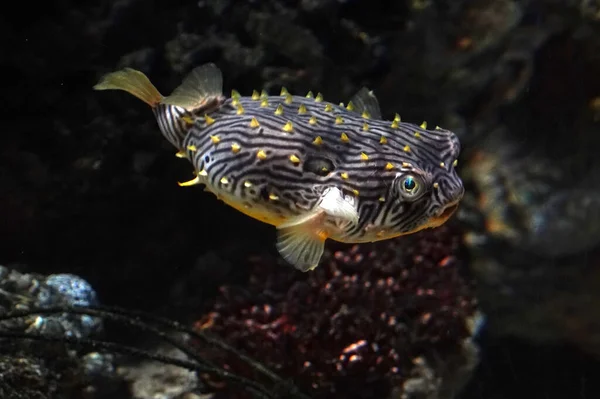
{"x": 352, "y": 327}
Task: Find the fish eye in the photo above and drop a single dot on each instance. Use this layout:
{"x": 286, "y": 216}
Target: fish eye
{"x": 409, "y": 184}
{"x": 411, "y": 187}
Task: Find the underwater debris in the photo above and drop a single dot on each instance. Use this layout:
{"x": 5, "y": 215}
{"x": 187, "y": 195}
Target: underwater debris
{"x": 162, "y": 329}
{"x": 30, "y": 369}
{"x": 532, "y": 212}
{"x": 152, "y": 379}
{"x": 357, "y": 327}
{"x": 529, "y": 222}
{"x": 33, "y": 291}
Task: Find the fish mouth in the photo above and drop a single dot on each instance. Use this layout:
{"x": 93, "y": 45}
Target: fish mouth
{"x": 447, "y": 212}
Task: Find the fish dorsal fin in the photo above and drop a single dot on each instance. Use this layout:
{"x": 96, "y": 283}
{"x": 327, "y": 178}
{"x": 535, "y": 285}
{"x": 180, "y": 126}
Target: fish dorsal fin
{"x": 133, "y": 82}
{"x": 365, "y": 100}
{"x": 199, "y": 87}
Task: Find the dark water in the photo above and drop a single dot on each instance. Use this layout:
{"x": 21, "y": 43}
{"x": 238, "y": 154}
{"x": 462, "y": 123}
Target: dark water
{"x": 88, "y": 188}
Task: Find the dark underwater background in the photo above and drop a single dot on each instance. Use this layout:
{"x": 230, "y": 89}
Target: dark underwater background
{"x": 502, "y": 302}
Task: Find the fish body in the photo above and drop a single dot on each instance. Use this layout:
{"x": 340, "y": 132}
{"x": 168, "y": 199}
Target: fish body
{"x": 311, "y": 168}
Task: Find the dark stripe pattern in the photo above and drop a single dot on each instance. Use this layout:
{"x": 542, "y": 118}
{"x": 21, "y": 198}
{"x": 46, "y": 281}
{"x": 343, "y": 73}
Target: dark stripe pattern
{"x": 256, "y": 151}
{"x": 171, "y": 124}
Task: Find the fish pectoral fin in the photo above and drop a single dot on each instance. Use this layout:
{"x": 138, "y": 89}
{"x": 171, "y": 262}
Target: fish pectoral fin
{"x": 301, "y": 246}
{"x": 365, "y": 100}
{"x": 133, "y": 82}
{"x": 335, "y": 204}
{"x": 199, "y": 87}
{"x": 301, "y": 240}
{"x": 309, "y": 217}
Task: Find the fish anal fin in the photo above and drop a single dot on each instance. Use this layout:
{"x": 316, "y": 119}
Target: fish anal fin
{"x": 132, "y": 81}
{"x": 301, "y": 246}
{"x": 365, "y": 100}
{"x": 201, "y": 87}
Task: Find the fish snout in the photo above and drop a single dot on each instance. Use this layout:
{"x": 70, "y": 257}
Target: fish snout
{"x": 453, "y": 195}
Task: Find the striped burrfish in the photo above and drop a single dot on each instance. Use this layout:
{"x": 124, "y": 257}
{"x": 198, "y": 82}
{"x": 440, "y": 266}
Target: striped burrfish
{"x": 313, "y": 169}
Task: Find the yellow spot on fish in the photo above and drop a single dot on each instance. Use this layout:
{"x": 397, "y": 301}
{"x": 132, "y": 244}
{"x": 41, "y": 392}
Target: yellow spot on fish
{"x": 381, "y": 199}
{"x": 383, "y": 140}
{"x": 418, "y": 135}
{"x": 344, "y": 175}
{"x": 302, "y": 109}
{"x": 288, "y": 127}
{"x": 406, "y": 148}
{"x": 365, "y": 127}
{"x": 406, "y": 165}
{"x": 235, "y": 94}
{"x": 442, "y": 164}
{"x": 188, "y": 119}
{"x": 339, "y": 120}
{"x": 319, "y": 97}
{"x": 436, "y": 185}
{"x": 193, "y": 182}
{"x": 397, "y": 118}
{"x": 394, "y": 125}
{"x": 209, "y": 121}
{"x": 310, "y": 94}
{"x": 424, "y": 125}
{"x": 240, "y": 110}
{"x": 380, "y": 233}
{"x": 192, "y": 148}
{"x": 294, "y": 159}
{"x": 284, "y": 92}
{"x": 215, "y": 139}
{"x": 318, "y": 140}
{"x": 273, "y": 197}
{"x": 264, "y": 103}
{"x": 279, "y": 110}
{"x": 355, "y": 192}
{"x": 366, "y": 115}
{"x": 247, "y": 184}
{"x": 264, "y": 94}
{"x": 350, "y": 106}
{"x": 389, "y": 166}
{"x": 288, "y": 99}
{"x": 344, "y": 138}
{"x": 328, "y": 108}
{"x": 342, "y": 104}
{"x": 203, "y": 173}
{"x": 254, "y": 123}
{"x": 224, "y": 180}
{"x": 364, "y": 156}
{"x": 455, "y": 163}
{"x": 438, "y": 128}
{"x": 312, "y": 120}
{"x": 255, "y": 95}
{"x": 235, "y": 148}
{"x": 261, "y": 154}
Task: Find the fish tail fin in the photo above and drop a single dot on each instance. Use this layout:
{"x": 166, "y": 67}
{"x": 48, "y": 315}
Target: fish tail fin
{"x": 200, "y": 91}
{"x": 133, "y": 82}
